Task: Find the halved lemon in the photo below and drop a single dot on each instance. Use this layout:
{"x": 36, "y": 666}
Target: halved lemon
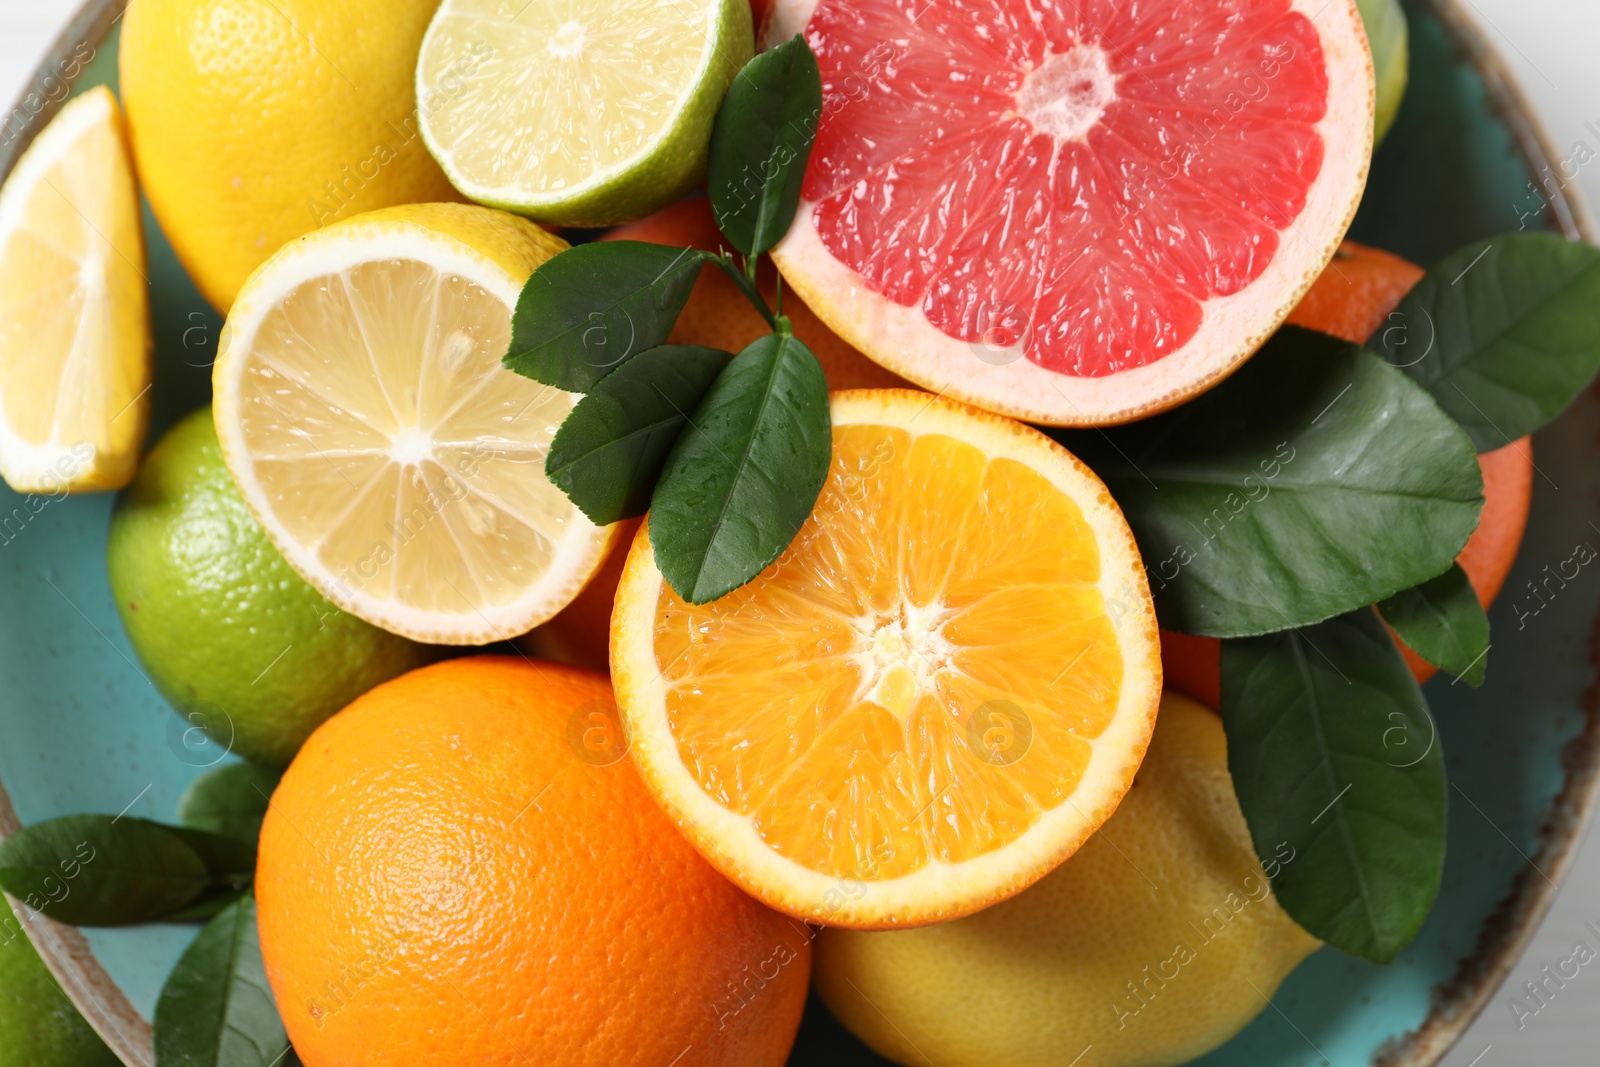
{"x": 577, "y": 113}
{"x": 74, "y": 307}
{"x": 364, "y": 412}
{"x": 936, "y": 695}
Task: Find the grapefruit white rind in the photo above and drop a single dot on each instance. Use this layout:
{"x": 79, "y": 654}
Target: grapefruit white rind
{"x": 938, "y": 891}
{"x": 1234, "y": 327}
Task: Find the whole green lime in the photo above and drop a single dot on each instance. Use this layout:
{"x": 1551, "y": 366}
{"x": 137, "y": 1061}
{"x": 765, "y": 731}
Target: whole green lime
{"x": 39, "y": 1027}
{"x": 230, "y": 635}
{"x": 1391, "y": 60}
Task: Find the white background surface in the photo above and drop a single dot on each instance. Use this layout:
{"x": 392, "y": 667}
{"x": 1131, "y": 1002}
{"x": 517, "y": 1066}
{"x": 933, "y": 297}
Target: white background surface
{"x": 1551, "y": 45}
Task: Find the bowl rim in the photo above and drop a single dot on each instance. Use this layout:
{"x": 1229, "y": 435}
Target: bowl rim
{"x": 63, "y": 948}
{"x": 1505, "y": 934}
{"x": 1453, "y": 1004}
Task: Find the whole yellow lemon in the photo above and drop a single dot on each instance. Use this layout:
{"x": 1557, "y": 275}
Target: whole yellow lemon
{"x": 1153, "y": 944}
{"x": 256, "y": 121}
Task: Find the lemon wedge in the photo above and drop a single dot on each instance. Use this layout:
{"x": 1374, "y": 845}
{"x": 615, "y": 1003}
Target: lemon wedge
{"x": 74, "y": 307}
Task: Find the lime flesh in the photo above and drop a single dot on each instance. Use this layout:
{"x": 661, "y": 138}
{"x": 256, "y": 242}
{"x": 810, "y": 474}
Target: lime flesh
{"x": 578, "y": 114}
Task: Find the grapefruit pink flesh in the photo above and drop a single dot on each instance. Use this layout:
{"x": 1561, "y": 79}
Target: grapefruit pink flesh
{"x": 1015, "y": 200}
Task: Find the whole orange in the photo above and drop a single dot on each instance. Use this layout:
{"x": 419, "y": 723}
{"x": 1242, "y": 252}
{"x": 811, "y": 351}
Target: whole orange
{"x": 461, "y": 868}
{"x": 1352, "y": 299}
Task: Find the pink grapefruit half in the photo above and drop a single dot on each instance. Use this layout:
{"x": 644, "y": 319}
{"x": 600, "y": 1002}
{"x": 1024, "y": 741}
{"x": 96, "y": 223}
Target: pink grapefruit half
{"x": 1075, "y": 212}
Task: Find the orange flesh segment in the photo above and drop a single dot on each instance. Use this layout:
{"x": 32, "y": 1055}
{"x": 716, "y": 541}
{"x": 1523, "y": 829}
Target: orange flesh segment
{"x": 868, "y": 699}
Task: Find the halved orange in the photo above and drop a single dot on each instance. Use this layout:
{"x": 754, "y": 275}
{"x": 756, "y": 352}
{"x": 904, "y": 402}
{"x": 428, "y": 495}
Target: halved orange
{"x": 936, "y": 695}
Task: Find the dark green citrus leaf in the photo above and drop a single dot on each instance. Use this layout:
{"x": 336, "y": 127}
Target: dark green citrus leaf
{"x": 1503, "y": 333}
{"x": 1338, "y": 768}
{"x": 760, "y": 145}
{"x": 609, "y": 452}
{"x": 743, "y": 477}
{"x": 229, "y": 861}
{"x": 206, "y": 906}
{"x": 590, "y": 309}
{"x": 100, "y": 870}
{"x": 230, "y": 800}
{"x": 1442, "y": 621}
{"x": 1316, "y": 480}
{"x": 216, "y": 1009}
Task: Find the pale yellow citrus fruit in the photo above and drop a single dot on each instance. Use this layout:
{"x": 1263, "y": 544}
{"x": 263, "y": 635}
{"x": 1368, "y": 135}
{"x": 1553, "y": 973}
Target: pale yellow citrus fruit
{"x": 578, "y": 113}
{"x": 364, "y": 412}
{"x": 255, "y": 121}
{"x": 937, "y": 693}
{"x": 1155, "y": 943}
{"x": 74, "y": 307}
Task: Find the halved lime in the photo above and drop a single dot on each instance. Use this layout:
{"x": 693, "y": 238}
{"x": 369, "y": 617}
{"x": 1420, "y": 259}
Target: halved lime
{"x": 577, "y": 112}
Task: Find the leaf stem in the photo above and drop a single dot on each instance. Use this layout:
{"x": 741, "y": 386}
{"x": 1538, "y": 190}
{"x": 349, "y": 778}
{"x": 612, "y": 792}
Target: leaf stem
{"x": 746, "y": 282}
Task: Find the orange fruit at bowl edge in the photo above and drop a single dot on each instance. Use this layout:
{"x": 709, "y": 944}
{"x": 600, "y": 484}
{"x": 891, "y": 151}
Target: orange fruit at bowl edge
{"x": 450, "y": 873}
{"x": 1352, "y": 299}
{"x": 717, "y": 315}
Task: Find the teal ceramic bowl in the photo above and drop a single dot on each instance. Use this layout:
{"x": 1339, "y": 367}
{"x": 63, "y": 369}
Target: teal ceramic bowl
{"x": 81, "y": 729}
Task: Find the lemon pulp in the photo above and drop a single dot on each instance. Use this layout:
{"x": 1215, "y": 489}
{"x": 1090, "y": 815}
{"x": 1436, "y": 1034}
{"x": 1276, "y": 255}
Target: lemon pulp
{"x": 365, "y": 413}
